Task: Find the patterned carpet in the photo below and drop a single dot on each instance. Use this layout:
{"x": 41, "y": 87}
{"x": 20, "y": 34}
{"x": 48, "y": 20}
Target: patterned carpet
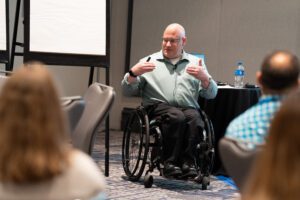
{"x": 118, "y": 187}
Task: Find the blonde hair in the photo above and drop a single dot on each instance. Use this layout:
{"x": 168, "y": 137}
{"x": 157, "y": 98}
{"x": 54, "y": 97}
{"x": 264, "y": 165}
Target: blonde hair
{"x": 33, "y": 142}
{"x": 277, "y": 173}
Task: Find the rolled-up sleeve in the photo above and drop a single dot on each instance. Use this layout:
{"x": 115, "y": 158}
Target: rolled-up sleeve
{"x": 211, "y": 91}
{"x": 130, "y": 89}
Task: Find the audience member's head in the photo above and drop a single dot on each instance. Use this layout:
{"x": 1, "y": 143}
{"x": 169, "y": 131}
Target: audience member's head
{"x": 279, "y": 73}
{"x": 277, "y": 174}
{"x": 33, "y": 141}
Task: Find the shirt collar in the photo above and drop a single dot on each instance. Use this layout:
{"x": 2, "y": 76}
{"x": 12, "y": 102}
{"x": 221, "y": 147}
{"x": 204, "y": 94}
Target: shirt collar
{"x": 269, "y": 98}
{"x": 185, "y": 56}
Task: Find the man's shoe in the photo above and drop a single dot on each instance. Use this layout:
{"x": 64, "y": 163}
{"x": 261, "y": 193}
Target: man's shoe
{"x": 188, "y": 171}
{"x": 171, "y": 170}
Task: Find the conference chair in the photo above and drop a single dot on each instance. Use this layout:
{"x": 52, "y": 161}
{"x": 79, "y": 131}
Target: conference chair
{"x": 98, "y": 100}
{"x": 237, "y": 159}
{"x": 73, "y": 107}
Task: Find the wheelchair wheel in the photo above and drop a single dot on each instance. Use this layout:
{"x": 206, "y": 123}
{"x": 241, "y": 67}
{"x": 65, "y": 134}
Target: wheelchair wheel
{"x": 211, "y": 143}
{"x": 206, "y": 148}
{"x": 135, "y": 145}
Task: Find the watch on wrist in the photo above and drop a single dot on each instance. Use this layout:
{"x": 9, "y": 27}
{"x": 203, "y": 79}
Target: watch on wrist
{"x": 132, "y": 74}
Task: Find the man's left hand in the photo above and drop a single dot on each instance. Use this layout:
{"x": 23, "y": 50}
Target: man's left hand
{"x": 199, "y": 73}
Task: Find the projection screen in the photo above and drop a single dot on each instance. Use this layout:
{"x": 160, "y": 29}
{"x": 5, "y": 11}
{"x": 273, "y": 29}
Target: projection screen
{"x": 4, "y": 31}
{"x": 70, "y": 32}
{"x": 2, "y": 26}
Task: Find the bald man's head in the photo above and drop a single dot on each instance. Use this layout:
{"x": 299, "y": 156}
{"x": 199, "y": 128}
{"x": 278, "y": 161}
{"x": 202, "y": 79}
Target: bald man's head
{"x": 280, "y": 71}
{"x": 173, "y": 41}
{"x": 176, "y": 27}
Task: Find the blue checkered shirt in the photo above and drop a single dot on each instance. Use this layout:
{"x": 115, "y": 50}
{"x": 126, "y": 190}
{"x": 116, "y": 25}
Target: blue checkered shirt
{"x": 252, "y": 126}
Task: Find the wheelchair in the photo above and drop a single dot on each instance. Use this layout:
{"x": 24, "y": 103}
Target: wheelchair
{"x": 142, "y": 148}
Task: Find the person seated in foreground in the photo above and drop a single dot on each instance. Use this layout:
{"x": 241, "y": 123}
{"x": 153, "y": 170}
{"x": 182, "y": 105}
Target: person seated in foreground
{"x": 278, "y": 76}
{"x": 36, "y": 159}
{"x": 276, "y": 174}
{"x": 170, "y": 82}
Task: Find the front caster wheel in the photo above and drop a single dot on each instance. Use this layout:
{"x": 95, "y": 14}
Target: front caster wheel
{"x": 205, "y": 183}
{"x": 148, "y": 181}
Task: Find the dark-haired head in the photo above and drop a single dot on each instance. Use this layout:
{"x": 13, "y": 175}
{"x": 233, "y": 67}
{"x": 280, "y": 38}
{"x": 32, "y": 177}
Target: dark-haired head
{"x": 279, "y": 72}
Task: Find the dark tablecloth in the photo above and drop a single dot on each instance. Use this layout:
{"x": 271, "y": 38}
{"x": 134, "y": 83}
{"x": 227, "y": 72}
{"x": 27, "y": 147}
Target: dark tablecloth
{"x": 229, "y": 103}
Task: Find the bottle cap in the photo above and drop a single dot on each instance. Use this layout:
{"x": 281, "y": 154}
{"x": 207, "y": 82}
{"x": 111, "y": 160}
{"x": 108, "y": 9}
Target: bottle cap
{"x": 239, "y": 63}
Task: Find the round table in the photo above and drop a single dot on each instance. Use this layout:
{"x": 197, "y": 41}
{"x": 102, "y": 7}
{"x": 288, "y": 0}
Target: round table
{"x": 229, "y": 103}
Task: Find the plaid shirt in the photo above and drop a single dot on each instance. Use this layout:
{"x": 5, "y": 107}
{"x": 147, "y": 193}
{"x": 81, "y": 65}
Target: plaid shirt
{"x": 252, "y": 125}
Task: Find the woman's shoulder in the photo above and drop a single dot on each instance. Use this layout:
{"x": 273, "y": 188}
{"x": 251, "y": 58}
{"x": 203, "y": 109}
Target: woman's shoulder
{"x": 83, "y": 167}
{"x": 82, "y": 179}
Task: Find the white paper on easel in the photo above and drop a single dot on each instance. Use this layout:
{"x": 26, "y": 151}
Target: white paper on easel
{"x": 2, "y": 25}
{"x": 68, "y": 26}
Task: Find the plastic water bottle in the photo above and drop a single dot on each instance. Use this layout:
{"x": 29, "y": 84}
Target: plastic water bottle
{"x": 239, "y": 75}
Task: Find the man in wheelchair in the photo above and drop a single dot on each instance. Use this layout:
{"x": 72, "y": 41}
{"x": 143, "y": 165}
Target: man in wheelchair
{"x": 170, "y": 82}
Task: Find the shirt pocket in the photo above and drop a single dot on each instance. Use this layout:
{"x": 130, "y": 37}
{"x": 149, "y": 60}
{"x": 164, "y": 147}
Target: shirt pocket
{"x": 188, "y": 85}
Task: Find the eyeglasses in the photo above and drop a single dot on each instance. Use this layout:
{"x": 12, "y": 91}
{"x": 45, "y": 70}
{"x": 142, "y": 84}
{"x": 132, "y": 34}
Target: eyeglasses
{"x": 171, "y": 40}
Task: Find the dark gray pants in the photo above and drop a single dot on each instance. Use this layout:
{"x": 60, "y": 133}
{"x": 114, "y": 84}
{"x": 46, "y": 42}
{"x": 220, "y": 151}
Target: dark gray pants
{"x": 181, "y": 131}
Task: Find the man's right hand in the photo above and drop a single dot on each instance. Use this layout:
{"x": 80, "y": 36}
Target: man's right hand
{"x": 142, "y": 67}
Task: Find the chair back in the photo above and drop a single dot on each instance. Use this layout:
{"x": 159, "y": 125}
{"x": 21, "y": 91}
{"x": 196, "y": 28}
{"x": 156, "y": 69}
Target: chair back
{"x": 237, "y": 159}
{"x": 73, "y": 107}
{"x": 98, "y": 102}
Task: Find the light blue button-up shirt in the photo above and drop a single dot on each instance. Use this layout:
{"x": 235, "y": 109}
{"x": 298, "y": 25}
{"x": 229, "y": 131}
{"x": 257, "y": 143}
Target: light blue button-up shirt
{"x": 252, "y": 126}
{"x": 170, "y": 83}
